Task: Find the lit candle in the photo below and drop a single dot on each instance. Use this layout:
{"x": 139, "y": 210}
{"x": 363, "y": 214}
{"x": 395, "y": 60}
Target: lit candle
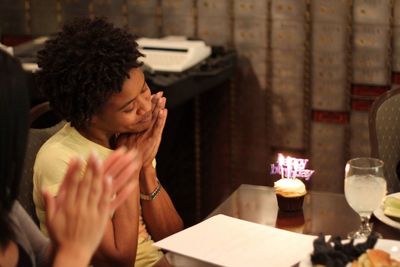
{"x": 281, "y": 160}
{"x": 296, "y": 167}
{"x": 289, "y": 166}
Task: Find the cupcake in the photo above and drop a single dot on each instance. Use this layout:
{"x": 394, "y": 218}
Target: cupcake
{"x": 290, "y": 194}
{"x": 291, "y": 221}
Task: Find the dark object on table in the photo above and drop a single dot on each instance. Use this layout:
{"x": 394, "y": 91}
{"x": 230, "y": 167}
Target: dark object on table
{"x": 334, "y": 253}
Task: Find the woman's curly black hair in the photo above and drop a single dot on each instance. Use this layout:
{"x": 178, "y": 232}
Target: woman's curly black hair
{"x": 83, "y": 66}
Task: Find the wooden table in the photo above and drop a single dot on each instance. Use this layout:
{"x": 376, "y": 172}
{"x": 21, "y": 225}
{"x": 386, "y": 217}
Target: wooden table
{"x": 323, "y": 212}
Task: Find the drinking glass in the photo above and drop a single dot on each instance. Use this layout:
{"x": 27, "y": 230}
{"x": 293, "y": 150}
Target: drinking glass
{"x": 364, "y": 188}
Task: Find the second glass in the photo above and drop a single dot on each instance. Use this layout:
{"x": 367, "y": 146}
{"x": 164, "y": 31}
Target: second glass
{"x": 364, "y": 188}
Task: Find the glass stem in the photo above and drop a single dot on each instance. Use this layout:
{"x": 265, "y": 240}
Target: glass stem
{"x": 365, "y": 226}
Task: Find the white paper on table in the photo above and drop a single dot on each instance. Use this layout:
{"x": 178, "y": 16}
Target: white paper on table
{"x": 228, "y": 241}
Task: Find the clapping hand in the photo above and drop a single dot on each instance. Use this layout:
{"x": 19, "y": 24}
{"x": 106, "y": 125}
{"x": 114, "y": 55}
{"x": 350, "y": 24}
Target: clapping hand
{"x": 77, "y": 217}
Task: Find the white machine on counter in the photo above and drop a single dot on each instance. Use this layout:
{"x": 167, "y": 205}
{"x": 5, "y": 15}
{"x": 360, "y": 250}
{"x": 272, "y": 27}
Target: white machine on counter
{"x": 171, "y": 54}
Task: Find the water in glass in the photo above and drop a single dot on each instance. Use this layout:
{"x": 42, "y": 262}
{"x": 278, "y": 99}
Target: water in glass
{"x": 364, "y": 188}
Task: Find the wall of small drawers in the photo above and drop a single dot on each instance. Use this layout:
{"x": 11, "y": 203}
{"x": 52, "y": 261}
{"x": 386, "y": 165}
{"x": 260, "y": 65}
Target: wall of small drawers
{"x": 307, "y": 69}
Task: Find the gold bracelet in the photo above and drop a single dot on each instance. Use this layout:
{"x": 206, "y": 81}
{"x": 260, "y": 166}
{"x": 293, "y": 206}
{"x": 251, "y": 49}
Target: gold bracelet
{"x": 153, "y": 194}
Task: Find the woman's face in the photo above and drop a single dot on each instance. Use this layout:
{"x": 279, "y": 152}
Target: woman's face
{"x": 129, "y": 111}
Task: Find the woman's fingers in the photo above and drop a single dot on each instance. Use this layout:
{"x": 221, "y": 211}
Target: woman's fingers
{"x": 119, "y": 165}
{"x": 122, "y": 196}
{"x": 155, "y": 99}
{"x": 71, "y": 180}
{"x": 120, "y": 184}
{"x": 115, "y": 156}
{"x": 160, "y": 123}
{"x": 105, "y": 197}
{"x": 125, "y": 174}
{"x": 158, "y": 103}
{"x": 95, "y": 188}
{"x": 86, "y": 181}
{"x": 74, "y": 166}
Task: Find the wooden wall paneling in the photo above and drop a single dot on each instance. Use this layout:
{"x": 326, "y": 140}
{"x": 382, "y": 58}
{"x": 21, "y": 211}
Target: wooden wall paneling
{"x": 287, "y": 129}
{"x": 329, "y": 37}
{"x": 252, "y": 60}
{"x": 178, "y": 18}
{"x": 372, "y": 12}
{"x": 359, "y": 134}
{"x": 288, "y": 64}
{"x": 396, "y": 12}
{"x": 211, "y": 8}
{"x": 251, "y": 28}
{"x": 214, "y": 30}
{"x": 13, "y": 17}
{"x": 250, "y": 9}
{"x": 114, "y": 10}
{"x": 330, "y": 73}
{"x": 327, "y": 58}
{"x": 214, "y": 22}
{"x": 330, "y": 11}
{"x": 371, "y": 36}
{"x": 288, "y": 9}
{"x": 177, "y": 7}
{"x": 371, "y": 66}
{"x": 396, "y": 48}
{"x": 287, "y": 34}
{"x": 44, "y": 19}
{"x": 371, "y": 76}
{"x": 329, "y": 94}
{"x": 369, "y": 59}
{"x": 288, "y": 50}
{"x": 143, "y": 6}
{"x": 253, "y": 71}
{"x": 330, "y": 83}
{"x": 178, "y": 25}
{"x": 262, "y": 79}
{"x": 144, "y": 18}
{"x": 328, "y": 159}
{"x": 250, "y": 32}
{"x": 72, "y": 9}
{"x": 144, "y": 25}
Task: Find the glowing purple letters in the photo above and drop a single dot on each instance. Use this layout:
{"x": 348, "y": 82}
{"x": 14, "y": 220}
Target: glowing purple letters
{"x": 289, "y": 167}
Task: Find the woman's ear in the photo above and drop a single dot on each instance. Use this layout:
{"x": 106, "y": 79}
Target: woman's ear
{"x": 94, "y": 120}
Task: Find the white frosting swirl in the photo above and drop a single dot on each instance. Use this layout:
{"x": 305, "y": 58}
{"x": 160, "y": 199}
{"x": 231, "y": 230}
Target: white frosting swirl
{"x": 288, "y": 187}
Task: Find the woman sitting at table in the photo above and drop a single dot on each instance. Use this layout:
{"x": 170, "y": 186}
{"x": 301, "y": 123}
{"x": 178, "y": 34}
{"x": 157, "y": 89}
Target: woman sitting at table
{"x": 91, "y": 75}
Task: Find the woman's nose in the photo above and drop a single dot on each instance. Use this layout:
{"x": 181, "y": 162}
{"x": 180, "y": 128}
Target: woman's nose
{"x": 144, "y": 105}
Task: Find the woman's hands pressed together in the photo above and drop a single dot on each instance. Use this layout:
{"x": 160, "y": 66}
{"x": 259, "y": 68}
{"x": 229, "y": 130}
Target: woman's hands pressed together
{"x": 159, "y": 214}
{"x": 148, "y": 141}
{"x": 77, "y": 217}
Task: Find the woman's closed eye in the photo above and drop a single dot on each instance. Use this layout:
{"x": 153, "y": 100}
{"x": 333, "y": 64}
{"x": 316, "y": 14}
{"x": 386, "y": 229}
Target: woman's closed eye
{"x": 129, "y": 110}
